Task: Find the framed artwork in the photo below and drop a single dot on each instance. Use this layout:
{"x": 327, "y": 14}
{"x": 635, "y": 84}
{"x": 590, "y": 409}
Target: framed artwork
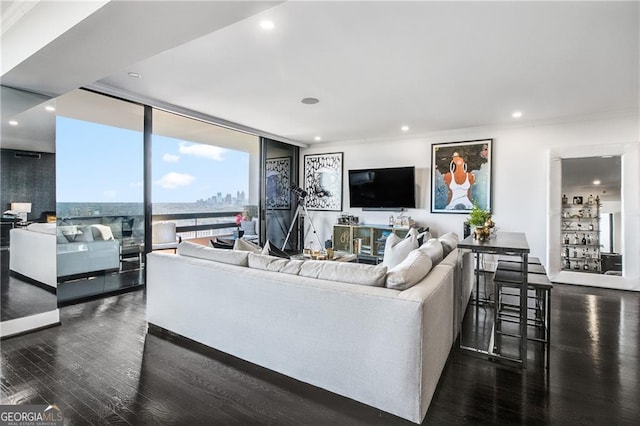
{"x": 278, "y": 183}
{"x": 461, "y": 176}
{"x": 323, "y": 181}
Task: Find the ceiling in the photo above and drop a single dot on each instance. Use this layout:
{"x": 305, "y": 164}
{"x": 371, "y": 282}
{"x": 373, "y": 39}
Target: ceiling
{"x": 579, "y": 175}
{"x": 374, "y": 66}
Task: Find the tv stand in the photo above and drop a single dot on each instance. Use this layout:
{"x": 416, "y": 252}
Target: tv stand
{"x": 365, "y": 240}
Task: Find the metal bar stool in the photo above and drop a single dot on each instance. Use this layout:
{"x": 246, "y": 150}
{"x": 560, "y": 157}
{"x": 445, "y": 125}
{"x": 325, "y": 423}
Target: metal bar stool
{"x": 509, "y": 275}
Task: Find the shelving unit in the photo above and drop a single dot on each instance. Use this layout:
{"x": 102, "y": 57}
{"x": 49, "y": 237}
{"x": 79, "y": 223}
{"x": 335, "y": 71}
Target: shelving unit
{"x": 368, "y": 240}
{"x": 580, "y": 235}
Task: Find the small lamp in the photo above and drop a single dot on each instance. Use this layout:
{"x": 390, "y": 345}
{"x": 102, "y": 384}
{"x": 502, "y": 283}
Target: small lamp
{"x": 22, "y": 209}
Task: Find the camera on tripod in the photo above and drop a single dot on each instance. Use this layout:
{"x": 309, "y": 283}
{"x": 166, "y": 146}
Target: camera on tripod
{"x": 299, "y": 192}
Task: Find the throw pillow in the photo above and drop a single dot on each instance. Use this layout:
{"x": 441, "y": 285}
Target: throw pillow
{"x": 244, "y": 245}
{"x": 275, "y": 264}
{"x": 101, "y": 232}
{"x": 410, "y": 272}
{"x": 271, "y": 250}
{"x": 433, "y": 248}
{"x": 351, "y": 273}
{"x": 449, "y": 242}
{"x": 396, "y": 249}
{"x": 216, "y": 243}
{"x": 231, "y": 257}
{"x": 421, "y": 234}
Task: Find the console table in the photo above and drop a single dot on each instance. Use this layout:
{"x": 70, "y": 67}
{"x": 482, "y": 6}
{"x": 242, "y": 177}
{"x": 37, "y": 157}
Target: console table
{"x": 511, "y": 243}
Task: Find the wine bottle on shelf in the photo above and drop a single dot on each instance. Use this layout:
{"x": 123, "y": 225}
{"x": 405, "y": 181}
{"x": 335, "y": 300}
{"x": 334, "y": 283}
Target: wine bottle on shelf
{"x": 576, "y": 266}
{"x": 566, "y": 238}
{"x": 591, "y": 226}
{"x": 590, "y": 199}
{"x": 575, "y": 239}
{"x": 587, "y": 254}
{"x": 564, "y": 199}
{"x": 584, "y": 240}
{"x": 566, "y": 252}
{"x": 598, "y": 200}
{"x": 586, "y": 266}
{"x": 589, "y": 239}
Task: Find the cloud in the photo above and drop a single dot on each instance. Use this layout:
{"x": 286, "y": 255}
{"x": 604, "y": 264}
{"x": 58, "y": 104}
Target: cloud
{"x": 110, "y": 193}
{"x": 199, "y": 150}
{"x": 170, "y": 158}
{"x": 174, "y": 180}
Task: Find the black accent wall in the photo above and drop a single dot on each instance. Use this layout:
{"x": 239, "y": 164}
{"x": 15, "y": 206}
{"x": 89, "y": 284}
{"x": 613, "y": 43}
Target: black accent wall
{"x": 29, "y": 177}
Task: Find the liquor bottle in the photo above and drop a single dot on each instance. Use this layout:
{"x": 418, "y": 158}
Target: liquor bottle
{"x": 566, "y": 238}
{"x": 591, "y": 226}
{"x": 567, "y": 264}
{"x": 575, "y": 239}
{"x": 584, "y": 240}
{"x": 598, "y": 200}
{"x": 564, "y": 199}
{"x": 566, "y": 252}
{"x": 589, "y": 213}
{"x": 587, "y": 254}
{"x": 576, "y": 266}
{"x": 586, "y": 266}
{"x": 590, "y": 199}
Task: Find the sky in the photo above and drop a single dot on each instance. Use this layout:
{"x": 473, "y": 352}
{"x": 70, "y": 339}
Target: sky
{"x": 99, "y": 163}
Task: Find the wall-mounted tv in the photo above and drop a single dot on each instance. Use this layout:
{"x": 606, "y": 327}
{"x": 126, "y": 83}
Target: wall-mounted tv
{"x": 387, "y": 188}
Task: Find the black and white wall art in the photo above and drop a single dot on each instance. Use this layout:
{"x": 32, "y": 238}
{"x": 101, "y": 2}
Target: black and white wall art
{"x": 323, "y": 181}
{"x": 278, "y": 182}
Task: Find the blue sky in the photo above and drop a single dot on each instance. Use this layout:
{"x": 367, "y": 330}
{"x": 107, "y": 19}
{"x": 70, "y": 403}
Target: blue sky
{"x": 99, "y": 163}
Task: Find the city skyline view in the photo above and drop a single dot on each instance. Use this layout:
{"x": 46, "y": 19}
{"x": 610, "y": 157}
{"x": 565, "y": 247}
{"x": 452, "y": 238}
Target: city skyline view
{"x": 96, "y": 163}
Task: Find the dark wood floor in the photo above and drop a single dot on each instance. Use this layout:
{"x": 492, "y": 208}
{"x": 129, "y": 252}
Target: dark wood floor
{"x": 101, "y": 367}
{"x": 19, "y": 298}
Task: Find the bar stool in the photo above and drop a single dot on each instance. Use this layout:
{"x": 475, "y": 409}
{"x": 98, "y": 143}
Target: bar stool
{"x": 509, "y": 275}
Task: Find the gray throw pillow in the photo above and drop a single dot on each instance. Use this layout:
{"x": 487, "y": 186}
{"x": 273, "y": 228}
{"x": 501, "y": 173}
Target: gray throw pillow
{"x": 449, "y": 242}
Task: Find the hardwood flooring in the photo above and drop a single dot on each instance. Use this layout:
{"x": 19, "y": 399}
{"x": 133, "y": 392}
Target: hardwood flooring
{"x": 101, "y": 367}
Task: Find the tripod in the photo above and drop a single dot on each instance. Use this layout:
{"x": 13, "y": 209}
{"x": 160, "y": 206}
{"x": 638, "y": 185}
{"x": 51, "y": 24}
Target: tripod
{"x": 301, "y": 211}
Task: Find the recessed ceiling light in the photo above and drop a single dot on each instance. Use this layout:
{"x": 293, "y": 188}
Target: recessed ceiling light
{"x": 596, "y": 182}
{"x": 517, "y": 114}
{"x": 310, "y": 101}
{"x": 13, "y": 122}
{"x": 607, "y": 156}
{"x": 404, "y": 128}
{"x": 317, "y": 139}
{"x": 134, "y": 74}
{"x": 49, "y": 108}
{"x": 267, "y": 25}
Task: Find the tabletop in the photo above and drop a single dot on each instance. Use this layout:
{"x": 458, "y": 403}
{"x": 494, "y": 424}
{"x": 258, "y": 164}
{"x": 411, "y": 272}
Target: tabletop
{"x": 515, "y": 242}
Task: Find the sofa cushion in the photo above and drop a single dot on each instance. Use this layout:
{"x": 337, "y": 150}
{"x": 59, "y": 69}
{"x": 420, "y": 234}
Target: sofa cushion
{"x": 275, "y": 264}
{"x": 352, "y": 273}
{"x": 433, "y": 248}
{"x": 449, "y": 242}
{"x": 101, "y": 232}
{"x": 410, "y": 271}
{"x": 271, "y": 250}
{"x": 244, "y": 245}
{"x": 396, "y": 249}
{"x": 232, "y": 257}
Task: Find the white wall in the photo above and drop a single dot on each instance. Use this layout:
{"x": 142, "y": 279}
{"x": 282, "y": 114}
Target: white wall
{"x": 520, "y": 172}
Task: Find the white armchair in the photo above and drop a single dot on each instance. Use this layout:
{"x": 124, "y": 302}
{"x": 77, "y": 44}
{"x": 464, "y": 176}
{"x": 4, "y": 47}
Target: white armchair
{"x": 163, "y": 236}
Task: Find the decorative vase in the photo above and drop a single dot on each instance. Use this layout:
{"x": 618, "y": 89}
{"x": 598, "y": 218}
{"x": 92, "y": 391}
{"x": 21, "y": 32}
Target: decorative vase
{"x": 479, "y": 233}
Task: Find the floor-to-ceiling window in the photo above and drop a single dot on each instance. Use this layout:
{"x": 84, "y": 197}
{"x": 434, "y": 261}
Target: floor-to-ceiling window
{"x": 99, "y": 194}
{"x": 205, "y": 178}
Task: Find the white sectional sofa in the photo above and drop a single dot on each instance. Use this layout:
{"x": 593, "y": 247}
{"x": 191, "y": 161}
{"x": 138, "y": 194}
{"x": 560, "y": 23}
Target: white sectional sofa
{"x": 42, "y": 253}
{"x": 383, "y": 347}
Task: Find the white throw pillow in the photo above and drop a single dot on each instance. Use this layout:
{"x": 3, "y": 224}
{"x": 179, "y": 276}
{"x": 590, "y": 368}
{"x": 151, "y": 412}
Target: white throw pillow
{"x": 396, "y": 249}
{"x": 244, "y": 245}
{"x": 232, "y": 257}
{"x": 449, "y": 242}
{"x": 275, "y": 264}
{"x": 352, "y": 273}
{"x": 433, "y": 248}
{"x": 410, "y": 272}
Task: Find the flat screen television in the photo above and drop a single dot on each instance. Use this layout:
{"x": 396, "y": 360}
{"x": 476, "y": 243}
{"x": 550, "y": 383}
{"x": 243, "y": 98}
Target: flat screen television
{"x": 387, "y": 188}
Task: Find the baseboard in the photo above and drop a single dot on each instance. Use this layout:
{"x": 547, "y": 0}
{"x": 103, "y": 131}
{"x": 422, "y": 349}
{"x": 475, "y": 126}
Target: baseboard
{"x": 19, "y": 326}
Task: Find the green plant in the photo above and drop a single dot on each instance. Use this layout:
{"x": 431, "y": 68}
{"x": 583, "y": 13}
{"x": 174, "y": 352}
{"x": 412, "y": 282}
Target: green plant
{"x": 477, "y": 216}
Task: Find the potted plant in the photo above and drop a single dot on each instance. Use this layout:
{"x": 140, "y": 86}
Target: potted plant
{"x": 481, "y": 220}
